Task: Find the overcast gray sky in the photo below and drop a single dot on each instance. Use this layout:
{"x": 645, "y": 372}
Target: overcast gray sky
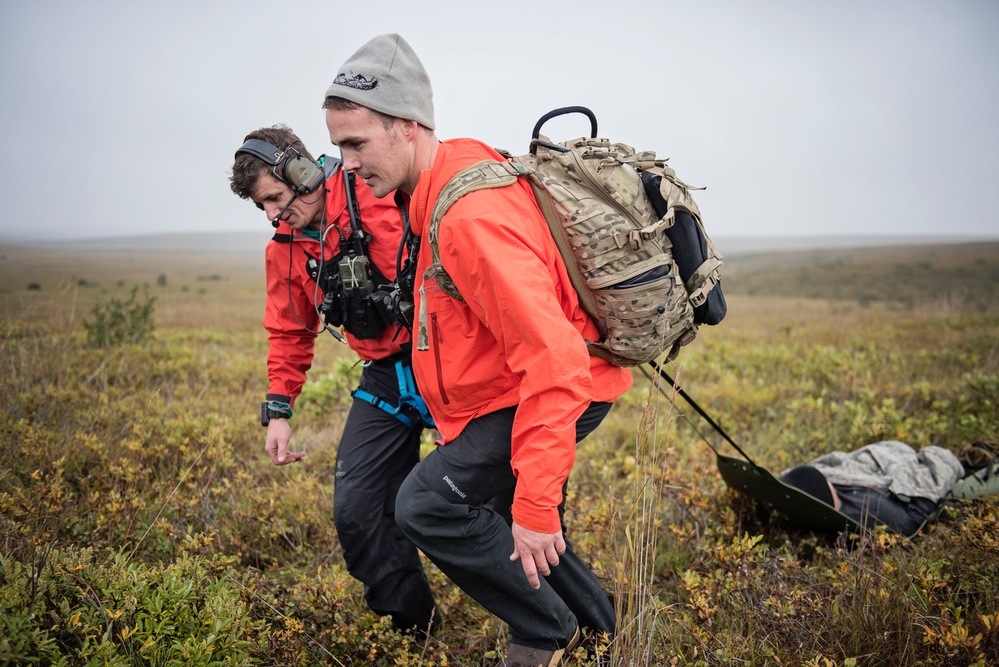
{"x": 800, "y": 118}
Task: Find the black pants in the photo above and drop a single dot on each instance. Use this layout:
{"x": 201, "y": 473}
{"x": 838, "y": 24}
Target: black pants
{"x": 376, "y": 453}
{"x": 870, "y": 507}
{"x": 455, "y": 507}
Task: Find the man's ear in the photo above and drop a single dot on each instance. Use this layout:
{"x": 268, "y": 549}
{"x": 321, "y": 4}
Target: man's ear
{"x": 409, "y": 128}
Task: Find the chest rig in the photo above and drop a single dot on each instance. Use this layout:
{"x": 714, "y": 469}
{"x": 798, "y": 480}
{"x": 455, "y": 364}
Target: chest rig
{"x": 356, "y": 295}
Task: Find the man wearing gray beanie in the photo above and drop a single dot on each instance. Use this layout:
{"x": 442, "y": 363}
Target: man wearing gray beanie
{"x": 504, "y": 370}
{"x": 385, "y": 75}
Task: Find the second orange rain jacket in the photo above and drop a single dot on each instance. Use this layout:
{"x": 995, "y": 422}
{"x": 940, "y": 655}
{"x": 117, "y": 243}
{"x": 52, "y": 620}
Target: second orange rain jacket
{"x": 291, "y": 317}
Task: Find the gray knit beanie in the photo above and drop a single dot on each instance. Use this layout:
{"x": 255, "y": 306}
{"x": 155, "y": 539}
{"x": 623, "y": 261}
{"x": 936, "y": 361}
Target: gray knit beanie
{"x": 385, "y": 75}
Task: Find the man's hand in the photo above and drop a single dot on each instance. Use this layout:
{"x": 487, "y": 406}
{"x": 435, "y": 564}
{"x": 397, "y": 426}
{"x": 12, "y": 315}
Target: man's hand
{"x": 537, "y": 552}
{"x": 278, "y": 437}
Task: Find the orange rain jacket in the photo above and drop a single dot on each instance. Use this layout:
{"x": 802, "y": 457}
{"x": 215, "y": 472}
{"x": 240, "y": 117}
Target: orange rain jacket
{"x": 292, "y": 317}
{"x": 516, "y": 339}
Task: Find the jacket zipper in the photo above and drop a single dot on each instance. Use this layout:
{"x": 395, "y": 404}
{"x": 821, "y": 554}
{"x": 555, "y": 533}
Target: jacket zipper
{"x": 437, "y": 359}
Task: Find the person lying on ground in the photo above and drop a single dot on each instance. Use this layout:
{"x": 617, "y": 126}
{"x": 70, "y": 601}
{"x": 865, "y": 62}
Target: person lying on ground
{"x": 891, "y": 484}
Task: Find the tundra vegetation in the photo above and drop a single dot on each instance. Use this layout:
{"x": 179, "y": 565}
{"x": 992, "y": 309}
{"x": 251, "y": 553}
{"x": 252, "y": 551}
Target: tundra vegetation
{"x": 142, "y": 524}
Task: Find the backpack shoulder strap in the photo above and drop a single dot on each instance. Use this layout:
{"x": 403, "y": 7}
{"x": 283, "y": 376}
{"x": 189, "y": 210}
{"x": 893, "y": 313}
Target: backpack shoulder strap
{"x": 479, "y": 176}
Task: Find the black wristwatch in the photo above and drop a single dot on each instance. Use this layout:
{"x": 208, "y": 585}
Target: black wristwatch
{"x": 267, "y": 413}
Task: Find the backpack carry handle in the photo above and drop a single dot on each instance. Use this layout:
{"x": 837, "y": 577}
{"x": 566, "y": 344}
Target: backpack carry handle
{"x": 561, "y": 112}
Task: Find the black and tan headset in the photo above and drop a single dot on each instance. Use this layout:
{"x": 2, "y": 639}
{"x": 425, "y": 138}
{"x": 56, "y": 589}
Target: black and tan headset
{"x": 290, "y": 166}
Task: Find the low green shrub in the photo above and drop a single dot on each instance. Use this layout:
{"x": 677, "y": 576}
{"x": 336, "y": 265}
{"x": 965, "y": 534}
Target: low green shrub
{"x": 118, "y": 321}
{"x": 82, "y": 609}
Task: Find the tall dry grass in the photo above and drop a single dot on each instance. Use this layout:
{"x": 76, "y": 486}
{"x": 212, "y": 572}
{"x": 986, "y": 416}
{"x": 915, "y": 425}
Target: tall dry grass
{"x": 140, "y": 522}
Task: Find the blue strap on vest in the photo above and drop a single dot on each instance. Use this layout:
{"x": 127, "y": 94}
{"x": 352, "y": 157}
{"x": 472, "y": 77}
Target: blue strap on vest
{"x": 408, "y": 398}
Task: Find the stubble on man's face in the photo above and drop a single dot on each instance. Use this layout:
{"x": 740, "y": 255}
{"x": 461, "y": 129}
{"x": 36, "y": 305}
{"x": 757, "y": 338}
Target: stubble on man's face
{"x": 370, "y": 149}
{"x": 272, "y": 197}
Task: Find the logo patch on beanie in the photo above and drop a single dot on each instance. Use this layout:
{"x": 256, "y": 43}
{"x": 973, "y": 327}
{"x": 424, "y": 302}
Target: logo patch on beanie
{"x": 357, "y": 82}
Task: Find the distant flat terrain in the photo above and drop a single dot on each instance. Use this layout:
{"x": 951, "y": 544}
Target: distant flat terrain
{"x": 898, "y": 273}
{"x": 251, "y": 242}
{"x": 737, "y": 246}
{"x": 959, "y": 276}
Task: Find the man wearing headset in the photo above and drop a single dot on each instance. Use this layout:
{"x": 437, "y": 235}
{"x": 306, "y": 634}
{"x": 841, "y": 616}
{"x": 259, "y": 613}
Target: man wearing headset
{"x": 325, "y": 270}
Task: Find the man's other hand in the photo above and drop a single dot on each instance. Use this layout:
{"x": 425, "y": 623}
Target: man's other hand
{"x": 278, "y": 437}
{"x": 537, "y": 552}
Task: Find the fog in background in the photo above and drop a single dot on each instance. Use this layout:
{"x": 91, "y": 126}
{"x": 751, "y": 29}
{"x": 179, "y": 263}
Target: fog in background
{"x": 835, "y": 119}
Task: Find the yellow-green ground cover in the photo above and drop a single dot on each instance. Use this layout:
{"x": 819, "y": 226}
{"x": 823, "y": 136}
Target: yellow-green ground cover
{"x": 141, "y": 523}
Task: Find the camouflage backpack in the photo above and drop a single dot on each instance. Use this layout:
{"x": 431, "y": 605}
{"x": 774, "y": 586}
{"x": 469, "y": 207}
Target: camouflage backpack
{"x": 612, "y": 213}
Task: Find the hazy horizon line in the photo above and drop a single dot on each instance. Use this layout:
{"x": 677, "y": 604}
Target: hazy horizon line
{"x": 245, "y": 242}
